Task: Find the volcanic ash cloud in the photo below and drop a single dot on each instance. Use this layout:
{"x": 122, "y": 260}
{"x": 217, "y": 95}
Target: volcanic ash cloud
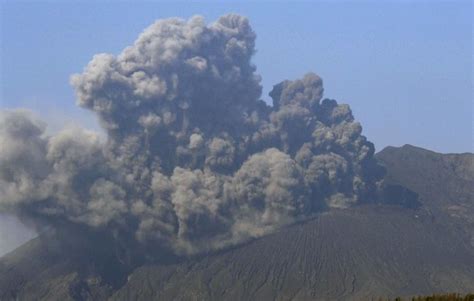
{"x": 194, "y": 160}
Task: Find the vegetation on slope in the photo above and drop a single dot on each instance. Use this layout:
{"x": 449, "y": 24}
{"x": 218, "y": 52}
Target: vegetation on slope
{"x": 441, "y": 297}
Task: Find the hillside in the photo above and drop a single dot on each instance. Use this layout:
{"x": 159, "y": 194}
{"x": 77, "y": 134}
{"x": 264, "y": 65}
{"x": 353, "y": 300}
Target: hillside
{"x": 355, "y": 254}
{"x": 359, "y": 253}
{"x": 444, "y": 182}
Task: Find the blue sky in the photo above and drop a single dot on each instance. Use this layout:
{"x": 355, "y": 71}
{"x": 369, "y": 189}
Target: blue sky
{"x": 405, "y": 67}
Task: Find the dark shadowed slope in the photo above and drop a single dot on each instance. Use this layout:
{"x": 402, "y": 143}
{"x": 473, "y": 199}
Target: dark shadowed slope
{"x": 358, "y": 253}
{"x": 444, "y": 182}
{"x": 343, "y": 254}
{"x": 55, "y": 267}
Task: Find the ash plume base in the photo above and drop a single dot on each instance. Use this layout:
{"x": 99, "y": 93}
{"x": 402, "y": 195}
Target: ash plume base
{"x": 194, "y": 160}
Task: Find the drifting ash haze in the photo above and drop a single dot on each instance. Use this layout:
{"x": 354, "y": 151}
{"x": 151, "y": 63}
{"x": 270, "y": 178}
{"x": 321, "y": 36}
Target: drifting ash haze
{"x": 194, "y": 160}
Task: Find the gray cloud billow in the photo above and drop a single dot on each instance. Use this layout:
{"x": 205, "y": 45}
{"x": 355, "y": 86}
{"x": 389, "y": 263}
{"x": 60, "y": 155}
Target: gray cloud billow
{"x": 194, "y": 160}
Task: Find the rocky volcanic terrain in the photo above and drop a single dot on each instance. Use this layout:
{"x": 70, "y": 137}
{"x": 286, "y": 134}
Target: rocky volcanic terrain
{"x": 423, "y": 246}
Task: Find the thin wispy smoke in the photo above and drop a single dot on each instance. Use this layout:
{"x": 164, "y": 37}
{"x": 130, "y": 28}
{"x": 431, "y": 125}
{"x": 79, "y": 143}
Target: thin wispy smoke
{"x": 193, "y": 160}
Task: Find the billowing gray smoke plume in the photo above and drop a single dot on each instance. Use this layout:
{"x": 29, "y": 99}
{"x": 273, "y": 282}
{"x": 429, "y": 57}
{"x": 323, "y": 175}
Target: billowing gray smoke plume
{"x": 194, "y": 160}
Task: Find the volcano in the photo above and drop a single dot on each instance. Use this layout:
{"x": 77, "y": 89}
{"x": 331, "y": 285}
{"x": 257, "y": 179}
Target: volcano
{"x": 421, "y": 241}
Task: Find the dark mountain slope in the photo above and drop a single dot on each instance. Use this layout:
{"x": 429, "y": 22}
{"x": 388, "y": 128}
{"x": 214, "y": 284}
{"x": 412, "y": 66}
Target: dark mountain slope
{"x": 441, "y": 179}
{"x": 444, "y": 182}
{"x": 358, "y": 253}
{"x": 60, "y": 265}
